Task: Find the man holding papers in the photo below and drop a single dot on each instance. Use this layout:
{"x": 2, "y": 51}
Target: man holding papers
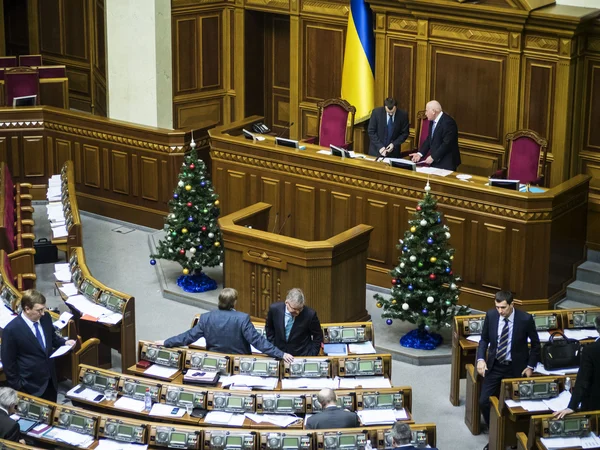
{"x": 388, "y": 129}
{"x": 27, "y": 343}
{"x": 332, "y": 416}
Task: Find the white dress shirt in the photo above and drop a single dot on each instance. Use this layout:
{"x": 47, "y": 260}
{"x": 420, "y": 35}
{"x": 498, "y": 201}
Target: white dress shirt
{"x": 32, "y": 328}
{"x": 433, "y": 125}
{"x": 511, "y": 323}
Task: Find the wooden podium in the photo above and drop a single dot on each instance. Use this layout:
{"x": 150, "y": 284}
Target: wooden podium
{"x": 264, "y": 265}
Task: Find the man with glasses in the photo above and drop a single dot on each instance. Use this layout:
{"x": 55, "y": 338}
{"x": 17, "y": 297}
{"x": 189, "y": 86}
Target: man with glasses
{"x": 294, "y": 327}
{"x": 27, "y": 343}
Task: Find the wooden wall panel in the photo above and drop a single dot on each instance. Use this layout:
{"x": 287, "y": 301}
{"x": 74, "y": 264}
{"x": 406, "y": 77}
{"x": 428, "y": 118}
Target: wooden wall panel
{"x": 211, "y": 54}
{"x": 205, "y": 113}
{"x": 51, "y": 33}
{"x": 120, "y": 172}
{"x": 62, "y": 152}
{"x": 33, "y": 156}
{"x": 377, "y": 212}
{"x": 319, "y": 59}
{"x": 3, "y": 149}
{"x": 539, "y": 96}
{"x": 185, "y": 66}
{"x": 149, "y": 176}
{"x": 270, "y": 192}
{"x": 306, "y": 202}
{"x": 494, "y": 265}
{"x": 236, "y": 182}
{"x": 91, "y": 166}
{"x": 402, "y": 83}
{"x": 75, "y": 18}
{"x": 458, "y": 239}
{"x": 341, "y": 213}
{"x": 16, "y": 27}
{"x": 591, "y": 140}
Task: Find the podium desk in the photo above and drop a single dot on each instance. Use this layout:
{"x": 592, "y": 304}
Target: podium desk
{"x": 524, "y": 242}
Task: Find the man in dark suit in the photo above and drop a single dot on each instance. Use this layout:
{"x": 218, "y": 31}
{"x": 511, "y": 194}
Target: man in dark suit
{"x": 293, "y": 327}
{"x": 504, "y": 336}
{"x": 388, "y": 129}
{"x": 332, "y": 416}
{"x": 440, "y": 149}
{"x": 401, "y": 435}
{"x": 586, "y": 394}
{"x": 227, "y": 331}
{"x": 27, "y": 343}
{"x": 9, "y": 428}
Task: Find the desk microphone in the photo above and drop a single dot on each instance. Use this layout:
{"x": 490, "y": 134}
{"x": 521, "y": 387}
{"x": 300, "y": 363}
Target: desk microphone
{"x": 275, "y": 222}
{"x": 284, "y": 222}
{"x": 286, "y": 127}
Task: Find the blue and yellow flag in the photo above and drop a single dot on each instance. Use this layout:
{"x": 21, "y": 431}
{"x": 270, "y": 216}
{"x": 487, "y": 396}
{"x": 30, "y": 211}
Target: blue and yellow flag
{"x": 358, "y": 76}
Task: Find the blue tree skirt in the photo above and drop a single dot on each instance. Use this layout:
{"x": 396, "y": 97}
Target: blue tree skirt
{"x": 421, "y": 339}
{"x": 196, "y": 283}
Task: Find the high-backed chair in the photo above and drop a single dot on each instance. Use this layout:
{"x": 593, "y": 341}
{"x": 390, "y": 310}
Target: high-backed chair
{"x": 8, "y": 61}
{"x": 526, "y": 153}
{"x": 30, "y": 60}
{"x": 20, "y": 82}
{"x": 333, "y": 123}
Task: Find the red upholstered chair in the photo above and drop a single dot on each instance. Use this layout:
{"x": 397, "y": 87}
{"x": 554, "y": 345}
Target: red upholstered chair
{"x": 52, "y": 72}
{"x": 20, "y": 82}
{"x": 524, "y": 150}
{"x": 30, "y": 60}
{"x": 8, "y": 61}
{"x": 333, "y": 124}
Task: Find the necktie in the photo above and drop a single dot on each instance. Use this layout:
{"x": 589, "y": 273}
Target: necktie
{"x": 288, "y": 327}
{"x": 38, "y": 335}
{"x": 433, "y": 128}
{"x": 390, "y": 128}
{"x": 503, "y": 343}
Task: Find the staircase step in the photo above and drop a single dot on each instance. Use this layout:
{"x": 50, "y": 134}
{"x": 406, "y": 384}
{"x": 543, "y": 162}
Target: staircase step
{"x": 589, "y": 272}
{"x": 566, "y": 303}
{"x": 583, "y": 292}
{"x": 593, "y": 255}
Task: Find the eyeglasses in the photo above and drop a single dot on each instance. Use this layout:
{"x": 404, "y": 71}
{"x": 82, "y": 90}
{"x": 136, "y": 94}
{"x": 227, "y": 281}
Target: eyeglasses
{"x": 39, "y": 310}
{"x": 298, "y": 310}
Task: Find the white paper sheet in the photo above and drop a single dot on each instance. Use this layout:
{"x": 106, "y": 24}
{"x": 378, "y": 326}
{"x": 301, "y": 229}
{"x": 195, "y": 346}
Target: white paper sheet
{"x": 376, "y": 416}
{"x": 59, "y": 232}
{"x": 111, "y": 319}
{"x": 401, "y": 414}
{"x": 568, "y": 370}
{"x": 218, "y": 417}
{"x": 559, "y": 403}
{"x": 129, "y": 404}
{"x": 72, "y": 438}
{"x": 162, "y": 410}
{"x": 199, "y": 343}
{"x": 61, "y": 351}
{"x": 69, "y": 289}
{"x": 528, "y": 405}
{"x": 263, "y": 383}
{"x": 434, "y": 171}
{"x": 254, "y": 349}
{"x": 87, "y": 394}
{"x": 581, "y": 334}
{"x": 85, "y": 306}
{"x": 362, "y": 348}
{"x": 364, "y": 382}
{"x": 283, "y": 420}
{"x": 63, "y": 275}
{"x": 63, "y": 320}
{"x": 309, "y": 383}
{"x": 161, "y": 371}
{"x": 62, "y": 266}
{"x": 590, "y": 441}
{"x": 109, "y": 444}
{"x": 474, "y": 338}
{"x": 6, "y": 316}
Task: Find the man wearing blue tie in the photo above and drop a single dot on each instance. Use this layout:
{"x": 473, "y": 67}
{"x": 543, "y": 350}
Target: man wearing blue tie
{"x": 388, "y": 129}
{"x": 27, "y": 343}
{"x": 505, "y": 336}
{"x": 294, "y": 327}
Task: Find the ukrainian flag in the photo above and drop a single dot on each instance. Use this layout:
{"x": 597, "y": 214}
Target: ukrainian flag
{"x": 358, "y": 75}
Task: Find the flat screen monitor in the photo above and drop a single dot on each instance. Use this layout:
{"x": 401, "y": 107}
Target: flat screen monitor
{"x": 286, "y": 142}
{"x": 513, "y": 185}
{"x": 248, "y": 135}
{"x": 403, "y": 164}
{"x": 337, "y": 151}
{"x": 27, "y": 100}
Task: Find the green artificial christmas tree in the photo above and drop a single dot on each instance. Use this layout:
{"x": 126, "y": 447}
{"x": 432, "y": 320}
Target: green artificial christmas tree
{"x": 193, "y": 237}
{"x": 424, "y": 287}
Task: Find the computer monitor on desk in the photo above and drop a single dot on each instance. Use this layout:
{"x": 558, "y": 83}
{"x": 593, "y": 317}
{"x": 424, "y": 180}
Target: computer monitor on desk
{"x": 27, "y": 100}
{"x": 337, "y": 151}
{"x": 286, "y": 142}
{"x": 513, "y": 185}
{"x": 403, "y": 164}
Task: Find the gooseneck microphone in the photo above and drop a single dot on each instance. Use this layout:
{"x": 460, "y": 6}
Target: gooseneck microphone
{"x": 284, "y": 222}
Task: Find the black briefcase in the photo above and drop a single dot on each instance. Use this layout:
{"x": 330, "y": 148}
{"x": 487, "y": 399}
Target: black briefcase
{"x": 45, "y": 251}
{"x": 561, "y": 353}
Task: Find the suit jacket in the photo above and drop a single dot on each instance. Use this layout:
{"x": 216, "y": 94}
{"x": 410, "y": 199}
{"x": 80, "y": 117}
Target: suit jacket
{"x": 587, "y": 386}
{"x": 378, "y": 129}
{"x": 443, "y": 147}
{"x": 226, "y": 332}
{"x": 521, "y": 355}
{"x": 333, "y": 417}
{"x": 306, "y": 335}
{"x": 27, "y": 365}
{"x": 9, "y": 429}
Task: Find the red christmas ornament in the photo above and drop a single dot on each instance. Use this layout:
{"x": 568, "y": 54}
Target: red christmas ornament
{"x": 182, "y": 252}
{"x": 192, "y": 166}
{"x": 418, "y": 208}
{"x": 432, "y": 276}
{"x": 394, "y": 281}
{"x": 450, "y": 273}
{"x": 189, "y": 204}
{"x": 203, "y": 228}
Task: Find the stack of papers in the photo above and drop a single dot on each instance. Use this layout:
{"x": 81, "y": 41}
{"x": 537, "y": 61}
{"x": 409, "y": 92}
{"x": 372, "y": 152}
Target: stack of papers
{"x": 87, "y": 394}
{"x": 54, "y": 193}
{"x": 108, "y": 444}
{"x": 162, "y": 410}
{"x": 283, "y": 420}
{"x": 335, "y": 349}
{"x": 59, "y": 231}
{"x": 225, "y": 418}
{"x": 69, "y": 289}
{"x": 63, "y": 275}
{"x": 129, "y": 404}
{"x": 159, "y": 371}
{"x": 434, "y": 171}
{"x": 376, "y": 417}
{"x": 364, "y": 382}
{"x": 111, "y": 319}
{"x": 559, "y": 403}
{"x": 309, "y": 383}
{"x": 200, "y": 376}
{"x": 590, "y": 441}
{"x": 63, "y": 320}
{"x": 84, "y": 306}
{"x": 262, "y": 383}
{"x": 6, "y": 316}
{"x": 69, "y": 437}
{"x": 362, "y": 348}
{"x": 528, "y": 405}
{"x": 567, "y": 370}
{"x": 581, "y": 334}
{"x": 474, "y": 337}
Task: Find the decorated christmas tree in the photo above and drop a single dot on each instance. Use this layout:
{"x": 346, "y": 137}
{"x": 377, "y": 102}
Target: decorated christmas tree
{"x": 424, "y": 287}
{"x": 193, "y": 236}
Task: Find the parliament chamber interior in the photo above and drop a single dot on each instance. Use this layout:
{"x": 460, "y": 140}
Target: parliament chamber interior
{"x": 121, "y": 118}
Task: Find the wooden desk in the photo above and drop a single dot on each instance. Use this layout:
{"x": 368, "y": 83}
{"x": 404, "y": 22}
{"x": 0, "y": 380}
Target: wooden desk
{"x": 503, "y": 231}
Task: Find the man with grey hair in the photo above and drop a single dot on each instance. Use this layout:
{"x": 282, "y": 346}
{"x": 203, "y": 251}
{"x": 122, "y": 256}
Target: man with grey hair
{"x": 440, "y": 148}
{"x": 9, "y": 428}
{"x": 227, "y": 331}
{"x": 401, "y": 435}
{"x": 294, "y": 327}
{"x": 331, "y": 415}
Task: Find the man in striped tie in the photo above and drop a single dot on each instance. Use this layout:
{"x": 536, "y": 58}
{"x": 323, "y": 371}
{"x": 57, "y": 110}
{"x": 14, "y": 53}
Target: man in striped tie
{"x": 504, "y": 337}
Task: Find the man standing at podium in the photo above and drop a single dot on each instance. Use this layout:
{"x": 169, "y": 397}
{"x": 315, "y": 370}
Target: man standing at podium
{"x": 388, "y": 129}
{"x": 294, "y": 327}
{"x": 440, "y": 149}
